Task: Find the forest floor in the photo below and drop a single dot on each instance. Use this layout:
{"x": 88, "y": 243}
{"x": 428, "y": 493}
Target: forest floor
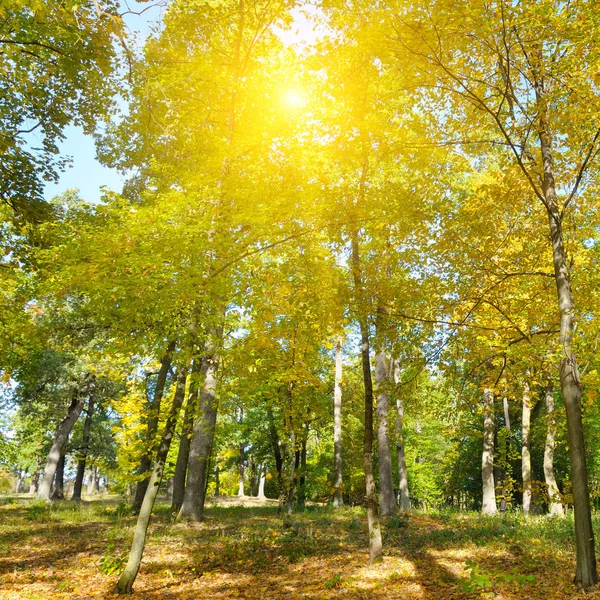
{"x": 65, "y": 550}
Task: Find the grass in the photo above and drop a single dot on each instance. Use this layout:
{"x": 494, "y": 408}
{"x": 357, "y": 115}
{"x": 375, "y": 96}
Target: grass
{"x": 75, "y": 551}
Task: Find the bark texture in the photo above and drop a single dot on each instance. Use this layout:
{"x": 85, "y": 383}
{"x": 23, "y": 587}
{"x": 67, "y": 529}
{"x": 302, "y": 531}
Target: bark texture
{"x": 153, "y": 416}
{"x": 570, "y": 383}
{"x": 375, "y": 541}
{"x": 338, "y": 498}
{"x": 488, "y": 506}
{"x": 203, "y": 435}
{"x": 62, "y": 434}
{"x": 187, "y": 428}
{"x": 127, "y": 579}
{"x": 83, "y": 452}
{"x": 555, "y": 506}
{"x": 58, "y": 492}
{"x": 387, "y": 498}
{"x": 526, "y": 450}
{"x": 404, "y": 497}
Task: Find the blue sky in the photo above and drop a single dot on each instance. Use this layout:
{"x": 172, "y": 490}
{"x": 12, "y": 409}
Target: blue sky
{"x": 85, "y": 173}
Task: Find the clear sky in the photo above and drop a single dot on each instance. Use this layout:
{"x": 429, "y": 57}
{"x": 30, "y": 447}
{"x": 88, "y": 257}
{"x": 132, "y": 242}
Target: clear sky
{"x": 85, "y": 173}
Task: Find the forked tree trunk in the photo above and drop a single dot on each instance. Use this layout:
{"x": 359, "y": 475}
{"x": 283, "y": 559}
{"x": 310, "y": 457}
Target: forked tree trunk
{"x": 570, "y": 382}
{"x": 526, "y": 450}
{"x": 387, "y": 498}
{"x": 488, "y": 506}
{"x": 338, "y": 498}
{"x": 555, "y": 506}
{"x": 187, "y": 427}
{"x": 375, "y": 541}
{"x": 127, "y": 579}
{"x": 153, "y": 415}
{"x": 62, "y": 434}
{"x": 83, "y": 452}
{"x": 404, "y": 497}
{"x": 202, "y": 439}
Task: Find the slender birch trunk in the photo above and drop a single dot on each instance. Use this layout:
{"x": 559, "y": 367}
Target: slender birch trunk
{"x": 526, "y": 450}
{"x": 241, "y": 491}
{"x": 487, "y": 458}
{"x": 404, "y": 497}
{"x": 127, "y": 579}
{"x": 261, "y": 483}
{"x": 375, "y": 541}
{"x": 152, "y": 427}
{"x": 338, "y": 498}
{"x": 60, "y": 438}
{"x": 555, "y": 506}
{"x": 387, "y": 498}
{"x": 586, "y": 573}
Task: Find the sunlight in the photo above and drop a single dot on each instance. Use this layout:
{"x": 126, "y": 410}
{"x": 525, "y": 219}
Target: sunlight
{"x": 295, "y": 98}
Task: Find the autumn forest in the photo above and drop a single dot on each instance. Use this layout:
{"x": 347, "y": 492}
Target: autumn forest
{"x": 337, "y": 333}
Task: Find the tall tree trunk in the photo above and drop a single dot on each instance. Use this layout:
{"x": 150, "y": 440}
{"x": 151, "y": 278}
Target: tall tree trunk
{"x": 83, "y": 452}
{"x": 375, "y": 541}
{"x": 181, "y": 465}
{"x": 127, "y": 579}
{"x": 91, "y": 486}
{"x": 338, "y": 498}
{"x": 35, "y": 478}
{"x": 19, "y": 482}
{"x": 555, "y": 505}
{"x": 294, "y": 463}
{"x": 488, "y": 506}
{"x": 586, "y": 573}
{"x": 402, "y": 473}
{"x": 275, "y": 444}
{"x": 153, "y": 415}
{"x": 526, "y": 450}
{"x": 387, "y": 498}
{"x": 58, "y": 492}
{"x": 203, "y": 434}
{"x": 60, "y": 438}
{"x": 504, "y": 469}
{"x": 217, "y": 479}
{"x": 302, "y": 470}
{"x": 261, "y": 483}
{"x": 242, "y": 459}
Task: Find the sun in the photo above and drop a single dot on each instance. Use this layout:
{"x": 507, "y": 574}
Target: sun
{"x": 294, "y": 98}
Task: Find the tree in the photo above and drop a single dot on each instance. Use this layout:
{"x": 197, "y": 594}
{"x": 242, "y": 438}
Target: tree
{"x": 59, "y": 64}
{"x": 521, "y": 87}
